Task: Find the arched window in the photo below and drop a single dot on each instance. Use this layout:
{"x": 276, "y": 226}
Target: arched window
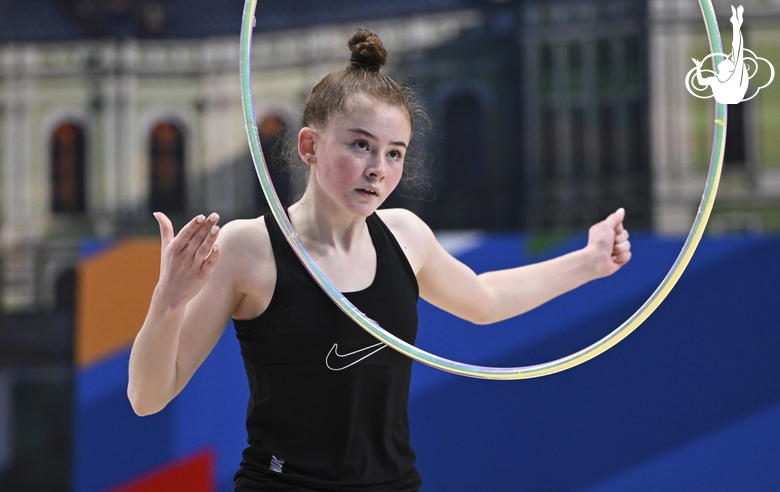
{"x": 735, "y": 155}
{"x": 607, "y": 141}
{"x": 271, "y": 131}
{"x": 167, "y": 169}
{"x": 67, "y": 170}
{"x": 65, "y": 291}
{"x": 603, "y": 63}
{"x": 464, "y": 149}
{"x": 578, "y": 149}
{"x": 550, "y": 149}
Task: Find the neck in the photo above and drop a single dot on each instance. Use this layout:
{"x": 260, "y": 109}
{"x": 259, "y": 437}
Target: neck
{"x": 324, "y": 225}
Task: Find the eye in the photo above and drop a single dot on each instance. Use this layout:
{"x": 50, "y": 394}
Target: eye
{"x": 361, "y": 144}
{"x": 396, "y": 155}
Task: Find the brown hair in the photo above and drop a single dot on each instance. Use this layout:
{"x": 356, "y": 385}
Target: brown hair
{"x": 361, "y": 77}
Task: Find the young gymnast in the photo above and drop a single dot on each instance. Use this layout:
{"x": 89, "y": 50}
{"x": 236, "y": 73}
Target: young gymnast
{"x": 328, "y": 404}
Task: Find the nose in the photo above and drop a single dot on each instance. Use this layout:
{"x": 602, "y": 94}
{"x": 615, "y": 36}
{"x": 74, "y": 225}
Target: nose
{"x": 377, "y": 168}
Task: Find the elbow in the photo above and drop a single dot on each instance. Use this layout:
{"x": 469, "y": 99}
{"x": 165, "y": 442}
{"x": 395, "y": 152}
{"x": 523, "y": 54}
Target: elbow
{"x": 482, "y": 317}
{"x": 142, "y": 406}
{"x": 482, "y": 311}
{"x": 142, "y": 411}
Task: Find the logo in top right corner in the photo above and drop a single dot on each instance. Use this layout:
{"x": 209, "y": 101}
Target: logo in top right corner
{"x": 730, "y": 83}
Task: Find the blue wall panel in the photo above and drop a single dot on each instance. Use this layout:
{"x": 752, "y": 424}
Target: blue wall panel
{"x": 706, "y": 359}
{"x": 695, "y": 390}
{"x": 113, "y": 445}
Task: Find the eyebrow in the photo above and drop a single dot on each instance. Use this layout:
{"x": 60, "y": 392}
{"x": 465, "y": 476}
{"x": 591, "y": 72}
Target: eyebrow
{"x": 370, "y": 135}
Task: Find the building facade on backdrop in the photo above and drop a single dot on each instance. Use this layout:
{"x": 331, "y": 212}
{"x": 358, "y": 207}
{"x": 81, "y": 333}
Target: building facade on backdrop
{"x": 546, "y": 115}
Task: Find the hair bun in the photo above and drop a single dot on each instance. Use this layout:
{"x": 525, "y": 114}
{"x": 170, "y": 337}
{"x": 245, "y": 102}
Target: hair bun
{"x": 367, "y": 51}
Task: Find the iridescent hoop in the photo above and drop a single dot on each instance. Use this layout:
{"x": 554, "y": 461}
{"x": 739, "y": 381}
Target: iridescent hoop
{"x": 538, "y": 370}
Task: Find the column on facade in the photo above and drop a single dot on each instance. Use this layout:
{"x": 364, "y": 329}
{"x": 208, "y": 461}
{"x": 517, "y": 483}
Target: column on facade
{"x": 119, "y": 185}
{"x": 223, "y": 138}
{"x": 22, "y": 213}
{"x": 20, "y": 220}
{"x": 675, "y": 194}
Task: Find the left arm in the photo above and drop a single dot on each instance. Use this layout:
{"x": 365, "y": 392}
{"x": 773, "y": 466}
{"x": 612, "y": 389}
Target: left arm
{"x": 736, "y": 37}
{"x": 494, "y": 296}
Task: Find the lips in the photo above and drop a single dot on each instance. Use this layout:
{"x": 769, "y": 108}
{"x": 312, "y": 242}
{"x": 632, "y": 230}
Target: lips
{"x": 368, "y": 191}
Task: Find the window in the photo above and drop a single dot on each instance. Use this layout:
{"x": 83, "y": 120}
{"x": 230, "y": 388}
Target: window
{"x": 632, "y": 60}
{"x": 167, "y": 169}
{"x": 635, "y": 132}
{"x": 578, "y": 143}
{"x": 272, "y": 131}
{"x": 603, "y": 63}
{"x": 549, "y": 143}
{"x": 464, "y": 143}
{"x": 67, "y": 170}
{"x": 546, "y": 69}
{"x": 575, "y": 66}
{"x": 607, "y": 142}
{"x": 734, "y": 156}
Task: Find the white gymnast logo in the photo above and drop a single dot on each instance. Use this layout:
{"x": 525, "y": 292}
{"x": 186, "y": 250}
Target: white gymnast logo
{"x": 340, "y": 362}
{"x": 730, "y": 84}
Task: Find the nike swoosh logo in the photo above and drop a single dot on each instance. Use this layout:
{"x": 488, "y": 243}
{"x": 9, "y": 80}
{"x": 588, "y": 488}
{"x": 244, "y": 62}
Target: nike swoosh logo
{"x": 338, "y": 362}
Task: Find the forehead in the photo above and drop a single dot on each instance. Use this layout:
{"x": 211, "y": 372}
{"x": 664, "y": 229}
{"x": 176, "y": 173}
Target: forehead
{"x": 366, "y": 111}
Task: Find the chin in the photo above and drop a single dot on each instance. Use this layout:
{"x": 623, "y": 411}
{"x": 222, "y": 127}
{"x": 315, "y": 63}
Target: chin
{"x": 365, "y": 209}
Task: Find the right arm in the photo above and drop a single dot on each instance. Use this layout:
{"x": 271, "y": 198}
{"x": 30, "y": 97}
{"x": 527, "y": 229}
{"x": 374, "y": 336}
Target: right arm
{"x": 703, "y": 82}
{"x": 736, "y": 34}
{"x": 190, "y": 308}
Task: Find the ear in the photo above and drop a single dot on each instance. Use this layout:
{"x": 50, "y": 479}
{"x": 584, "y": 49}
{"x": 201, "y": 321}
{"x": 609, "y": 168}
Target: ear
{"x": 307, "y": 138}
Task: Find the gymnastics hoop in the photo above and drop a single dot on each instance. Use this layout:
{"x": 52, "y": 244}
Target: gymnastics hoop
{"x": 507, "y": 373}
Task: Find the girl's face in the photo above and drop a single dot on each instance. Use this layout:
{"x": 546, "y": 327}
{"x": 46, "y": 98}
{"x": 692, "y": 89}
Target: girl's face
{"x": 358, "y": 158}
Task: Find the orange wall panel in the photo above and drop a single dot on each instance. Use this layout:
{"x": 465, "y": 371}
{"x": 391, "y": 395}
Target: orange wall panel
{"x": 114, "y": 291}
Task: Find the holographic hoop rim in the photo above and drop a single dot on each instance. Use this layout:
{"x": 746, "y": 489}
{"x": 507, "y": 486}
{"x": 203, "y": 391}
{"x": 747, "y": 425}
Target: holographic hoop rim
{"x": 504, "y": 373}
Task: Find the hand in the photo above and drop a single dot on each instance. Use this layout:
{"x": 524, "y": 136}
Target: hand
{"x": 187, "y": 259}
{"x": 697, "y": 62}
{"x": 608, "y": 240}
{"x": 736, "y": 15}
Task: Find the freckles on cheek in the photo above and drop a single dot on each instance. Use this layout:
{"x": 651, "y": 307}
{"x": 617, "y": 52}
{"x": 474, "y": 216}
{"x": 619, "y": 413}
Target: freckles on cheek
{"x": 332, "y": 176}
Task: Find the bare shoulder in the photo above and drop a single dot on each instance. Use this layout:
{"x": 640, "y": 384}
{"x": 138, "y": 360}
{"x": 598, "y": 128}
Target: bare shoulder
{"x": 404, "y": 222}
{"x": 412, "y": 233}
{"x": 248, "y": 257}
{"x": 245, "y": 239}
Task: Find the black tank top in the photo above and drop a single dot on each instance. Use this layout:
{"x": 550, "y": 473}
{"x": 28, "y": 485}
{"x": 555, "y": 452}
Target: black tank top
{"x": 328, "y": 402}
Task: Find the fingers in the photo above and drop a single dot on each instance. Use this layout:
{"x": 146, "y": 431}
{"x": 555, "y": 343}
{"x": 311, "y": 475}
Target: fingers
{"x": 621, "y": 250}
{"x": 194, "y": 232}
{"x": 615, "y": 219}
{"x": 621, "y": 246}
{"x": 195, "y": 242}
{"x": 187, "y": 233}
{"x": 203, "y": 237}
{"x": 622, "y": 258}
{"x": 166, "y": 228}
{"x": 205, "y": 240}
{"x": 211, "y": 259}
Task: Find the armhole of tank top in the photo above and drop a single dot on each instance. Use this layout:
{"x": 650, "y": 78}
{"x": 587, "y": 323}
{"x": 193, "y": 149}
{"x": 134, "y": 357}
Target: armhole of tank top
{"x": 274, "y": 237}
{"x": 279, "y": 247}
{"x": 392, "y": 243}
